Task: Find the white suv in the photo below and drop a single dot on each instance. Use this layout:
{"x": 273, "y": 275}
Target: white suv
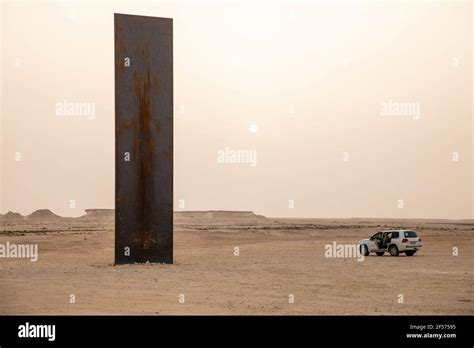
{"x": 393, "y": 241}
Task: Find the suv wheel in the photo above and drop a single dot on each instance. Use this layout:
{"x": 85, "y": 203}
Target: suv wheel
{"x": 410, "y": 253}
{"x": 380, "y": 253}
{"x": 364, "y": 250}
{"x": 393, "y": 250}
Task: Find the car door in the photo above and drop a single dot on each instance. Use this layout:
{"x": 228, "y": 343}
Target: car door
{"x": 372, "y": 245}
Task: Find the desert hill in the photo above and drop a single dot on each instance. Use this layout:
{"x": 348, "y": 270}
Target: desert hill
{"x": 12, "y": 216}
{"x": 98, "y": 214}
{"x": 43, "y": 214}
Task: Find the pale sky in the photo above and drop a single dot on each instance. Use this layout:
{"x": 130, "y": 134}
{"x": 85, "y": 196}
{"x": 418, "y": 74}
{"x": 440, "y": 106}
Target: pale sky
{"x": 354, "y": 108}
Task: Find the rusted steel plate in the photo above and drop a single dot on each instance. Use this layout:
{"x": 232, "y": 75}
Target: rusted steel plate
{"x": 143, "y": 139}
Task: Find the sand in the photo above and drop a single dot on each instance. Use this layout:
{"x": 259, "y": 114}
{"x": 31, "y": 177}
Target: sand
{"x": 277, "y": 257}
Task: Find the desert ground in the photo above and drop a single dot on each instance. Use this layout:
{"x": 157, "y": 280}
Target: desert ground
{"x": 277, "y": 257}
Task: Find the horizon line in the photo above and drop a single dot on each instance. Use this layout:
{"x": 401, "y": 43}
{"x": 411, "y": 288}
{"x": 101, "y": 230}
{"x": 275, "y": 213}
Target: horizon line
{"x": 247, "y": 211}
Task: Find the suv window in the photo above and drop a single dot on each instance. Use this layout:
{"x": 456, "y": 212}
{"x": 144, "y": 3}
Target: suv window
{"x": 395, "y": 235}
{"x": 410, "y": 234}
